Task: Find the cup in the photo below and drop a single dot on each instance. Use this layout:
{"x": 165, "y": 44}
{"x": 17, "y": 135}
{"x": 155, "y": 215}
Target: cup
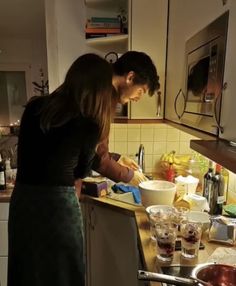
{"x": 166, "y": 234}
{"x": 179, "y": 215}
{"x": 191, "y": 233}
{"x": 158, "y": 214}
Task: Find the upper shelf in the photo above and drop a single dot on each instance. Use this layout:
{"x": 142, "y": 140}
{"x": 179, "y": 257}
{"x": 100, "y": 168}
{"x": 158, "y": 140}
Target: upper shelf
{"x": 220, "y": 151}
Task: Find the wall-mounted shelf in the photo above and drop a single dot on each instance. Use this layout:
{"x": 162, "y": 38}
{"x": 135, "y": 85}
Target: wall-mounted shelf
{"x": 115, "y": 39}
{"x": 219, "y": 151}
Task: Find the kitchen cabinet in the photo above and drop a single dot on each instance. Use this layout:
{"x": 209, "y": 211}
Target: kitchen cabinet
{"x": 107, "y": 8}
{"x": 186, "y": 18}
{"x": 110, "y": 235}
{"x": 4, "y": 211}
{"x": 228, "y": 114}
{"x": 147, "y": 25}
{"x": 149, "y": 35}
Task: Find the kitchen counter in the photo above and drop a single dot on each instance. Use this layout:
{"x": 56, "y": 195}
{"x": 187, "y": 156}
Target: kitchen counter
{"x": 5, "y": 195}
{"x": 147, "y": 247}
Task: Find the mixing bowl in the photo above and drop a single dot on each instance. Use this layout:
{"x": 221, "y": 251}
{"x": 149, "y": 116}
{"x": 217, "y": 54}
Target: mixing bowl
{"x": 157, "y": 192}
{"x": 216, "y": 274}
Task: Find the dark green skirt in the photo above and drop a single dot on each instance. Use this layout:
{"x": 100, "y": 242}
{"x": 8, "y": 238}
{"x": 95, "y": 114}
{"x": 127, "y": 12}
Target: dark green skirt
{"x": 45, "y": 237}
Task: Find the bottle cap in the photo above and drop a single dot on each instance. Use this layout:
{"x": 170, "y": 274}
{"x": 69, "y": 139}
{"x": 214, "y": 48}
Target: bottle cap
{"x": 218, "y": 168}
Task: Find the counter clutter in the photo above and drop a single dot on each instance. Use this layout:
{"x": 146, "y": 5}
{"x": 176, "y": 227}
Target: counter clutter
{"x": 217, "y": 234}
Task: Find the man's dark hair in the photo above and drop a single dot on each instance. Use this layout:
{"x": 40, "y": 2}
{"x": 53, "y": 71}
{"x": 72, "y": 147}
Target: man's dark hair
{"x": 143, "y": 67}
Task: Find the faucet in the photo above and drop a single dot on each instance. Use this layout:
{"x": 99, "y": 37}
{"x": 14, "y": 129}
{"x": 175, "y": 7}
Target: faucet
{"x": 141, "y": 161}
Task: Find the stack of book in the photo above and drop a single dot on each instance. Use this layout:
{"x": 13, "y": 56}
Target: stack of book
{"x": 102, "y": 27}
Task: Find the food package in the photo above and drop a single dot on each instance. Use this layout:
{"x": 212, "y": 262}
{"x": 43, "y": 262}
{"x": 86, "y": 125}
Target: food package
{"x": 95, "y": 189}
{"x": 222, "y": 230}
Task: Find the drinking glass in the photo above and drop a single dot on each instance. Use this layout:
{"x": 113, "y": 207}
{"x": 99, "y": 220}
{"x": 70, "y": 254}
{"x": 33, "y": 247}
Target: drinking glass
{"x": 191, "y": 233}
{"x": 166, "y": 234}
{"x": 179, "y": 215}
{"x": 158, "y": 214}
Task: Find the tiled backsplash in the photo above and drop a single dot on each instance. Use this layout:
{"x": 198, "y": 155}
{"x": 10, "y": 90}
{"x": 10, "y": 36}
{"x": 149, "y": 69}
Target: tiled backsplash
{"x": 156, "y": 138}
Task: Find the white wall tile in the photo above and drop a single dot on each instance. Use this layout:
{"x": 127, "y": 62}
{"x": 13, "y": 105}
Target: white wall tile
{"x": 134, "y": 135}
{"x": 134, "y": 126}
{"x": 160, "y": 126}
{"x": 148, "y": 161}
{"x": 157, "y": 139}
{"x": 184, "y": 148}
{"x": 121, "y": 134}
{"x": 111, "y": 146}
{"x": 172, "y": 134}
{"x": 172, "y": 146}
{"x": 133, "y": 148}
{"x": 112, "y": 135}
{"x": 160, "y": 134}
{"x": 147, "y": 134}
{"x": 148, "y": 147}
{"x": 147, "y": 126}
{"x": 159, "y": 147}
{"x": 121, "y": 125}
{"x": 120, "y": 147}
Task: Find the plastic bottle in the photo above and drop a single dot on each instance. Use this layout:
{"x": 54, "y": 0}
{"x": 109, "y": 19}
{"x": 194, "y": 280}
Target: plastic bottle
{"x": 216, "y": 195}
{"x": 225, "y": 174}
{"x": 207, "y": 181}
{"x": 170, "y": 173}
{"x": 2, "y": 175}
{"x": 8, "y": 172}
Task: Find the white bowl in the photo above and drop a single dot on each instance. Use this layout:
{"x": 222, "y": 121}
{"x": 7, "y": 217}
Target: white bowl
{"x": 198, "y": 216}
{"x": 157, "y": 192}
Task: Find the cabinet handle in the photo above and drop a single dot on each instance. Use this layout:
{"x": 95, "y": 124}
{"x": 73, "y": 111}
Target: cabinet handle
{"x": 180, "y": 92}
{"x": 221, "y": 128}
{"x": 158, "y": 104}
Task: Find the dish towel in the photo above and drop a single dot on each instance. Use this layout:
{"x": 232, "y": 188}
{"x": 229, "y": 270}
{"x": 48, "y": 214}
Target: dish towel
{"x": 125, "y": 189}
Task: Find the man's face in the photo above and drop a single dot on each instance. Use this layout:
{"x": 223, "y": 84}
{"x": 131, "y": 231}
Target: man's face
{"x": 129, "y": 91}
{"x": 132, "y": 93}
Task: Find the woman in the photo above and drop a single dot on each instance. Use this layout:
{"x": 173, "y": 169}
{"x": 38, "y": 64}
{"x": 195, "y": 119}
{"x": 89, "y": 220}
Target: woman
{"x": 57, "y": 142}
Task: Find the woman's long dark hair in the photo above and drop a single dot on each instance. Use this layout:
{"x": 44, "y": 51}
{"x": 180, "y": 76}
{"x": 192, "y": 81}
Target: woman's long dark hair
{"x": 86, "y": 92}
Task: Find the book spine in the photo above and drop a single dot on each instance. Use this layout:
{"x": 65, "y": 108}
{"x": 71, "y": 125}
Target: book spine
{"x": 105, "y": 19}
{"x": 103, "y": 30}
{"x": 99, "y": 35}
{"x": 90, "y": 24}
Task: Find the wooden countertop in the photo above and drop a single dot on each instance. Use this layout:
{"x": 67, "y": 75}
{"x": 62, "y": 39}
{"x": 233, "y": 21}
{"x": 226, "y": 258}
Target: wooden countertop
{"x": 5, "y": 196}
{"x": 147, "y": 246}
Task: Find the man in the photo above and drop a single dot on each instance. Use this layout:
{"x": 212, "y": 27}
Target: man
{"x": 134, "y": 75}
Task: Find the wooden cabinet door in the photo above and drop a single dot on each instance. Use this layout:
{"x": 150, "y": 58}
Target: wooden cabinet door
{"x": 112, "y": 249}
{"x": 148, "y": 34}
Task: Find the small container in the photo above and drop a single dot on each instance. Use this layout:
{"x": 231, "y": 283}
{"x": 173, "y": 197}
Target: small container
{"x": 166, "y": 235}
{"x": 191, "y": 233}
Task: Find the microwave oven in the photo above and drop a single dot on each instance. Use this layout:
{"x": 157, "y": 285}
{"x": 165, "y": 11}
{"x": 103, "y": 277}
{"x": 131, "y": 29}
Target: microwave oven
{"x": 204, "y": 73}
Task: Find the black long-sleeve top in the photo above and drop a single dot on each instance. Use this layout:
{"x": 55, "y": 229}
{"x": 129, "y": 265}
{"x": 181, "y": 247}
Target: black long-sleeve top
{"x": 56, "y": 157}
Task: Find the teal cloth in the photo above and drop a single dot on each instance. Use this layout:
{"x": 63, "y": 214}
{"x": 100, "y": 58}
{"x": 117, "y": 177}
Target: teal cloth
{"x": 126, "y": 189}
